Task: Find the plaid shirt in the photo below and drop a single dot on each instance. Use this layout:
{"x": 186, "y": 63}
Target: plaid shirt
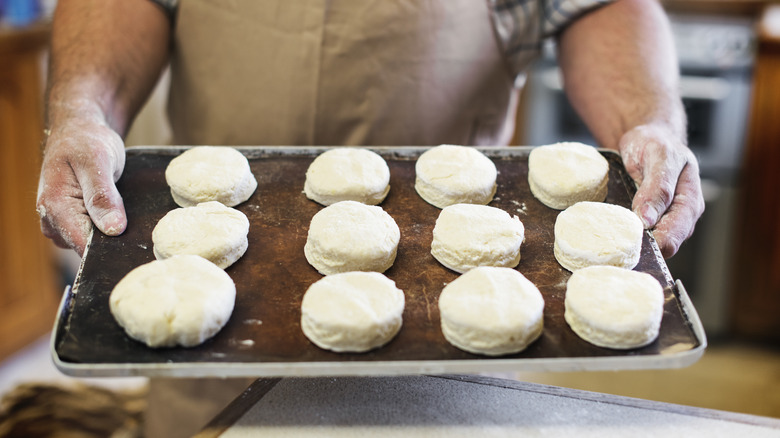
{"x": 521, "y": 26}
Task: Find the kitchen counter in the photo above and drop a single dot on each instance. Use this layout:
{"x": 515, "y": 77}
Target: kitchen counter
{"x": 455, "y": 406}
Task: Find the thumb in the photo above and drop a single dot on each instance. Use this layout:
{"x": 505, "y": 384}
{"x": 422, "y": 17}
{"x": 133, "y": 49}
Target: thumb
{"x": 656, "y": 192}
{"x": 103, "y": 202}
{"x": 654, "y": 159}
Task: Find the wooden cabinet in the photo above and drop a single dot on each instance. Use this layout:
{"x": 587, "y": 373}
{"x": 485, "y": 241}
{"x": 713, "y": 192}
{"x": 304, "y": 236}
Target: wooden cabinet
{"x": 29, "y": 291}
{"x": 755, "y": 309}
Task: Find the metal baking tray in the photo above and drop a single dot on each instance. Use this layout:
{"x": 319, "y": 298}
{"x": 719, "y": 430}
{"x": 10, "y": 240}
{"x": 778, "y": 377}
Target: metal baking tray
{"x": 263, "y": 336}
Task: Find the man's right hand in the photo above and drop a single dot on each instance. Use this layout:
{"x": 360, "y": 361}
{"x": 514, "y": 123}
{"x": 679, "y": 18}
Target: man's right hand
{"x": 105, "y": 60}
{"x": 82, "y": 161}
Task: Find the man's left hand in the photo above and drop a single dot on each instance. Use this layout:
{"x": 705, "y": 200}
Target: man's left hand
{"x": 668, "y": 199}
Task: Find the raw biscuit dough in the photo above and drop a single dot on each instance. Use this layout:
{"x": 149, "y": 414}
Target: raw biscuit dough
{"x": 466, "y": 236}
{"x": 351, "y": 236}
{"x": 347, "y": 174}
{"x": 595, "y": 233}
{"x": 491, "y": 311}
{"x": 614, "y": 307}
{"x": 562, "y": 174}
{"x": 210, "y": 173}
{"x": 183, "y": 300}
{"x": 352, "y": 311}
{"x": 449, "y": 174}
{"x": 210, "y": 230}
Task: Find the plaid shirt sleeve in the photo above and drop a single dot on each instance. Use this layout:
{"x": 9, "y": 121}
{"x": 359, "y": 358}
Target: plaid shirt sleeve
{"x": 169, "y": 6}
{"x": 521, "y": 26}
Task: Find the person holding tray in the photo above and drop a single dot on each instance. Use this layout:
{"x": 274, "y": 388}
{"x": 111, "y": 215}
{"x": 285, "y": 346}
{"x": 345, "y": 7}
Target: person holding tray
{"x": 343, "y": 72}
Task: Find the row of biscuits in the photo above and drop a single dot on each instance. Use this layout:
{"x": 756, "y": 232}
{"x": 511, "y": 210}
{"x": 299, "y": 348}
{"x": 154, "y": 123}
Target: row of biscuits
{"x": 185, "y": 297}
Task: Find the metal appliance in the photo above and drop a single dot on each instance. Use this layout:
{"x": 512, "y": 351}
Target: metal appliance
{"x": 716, "y": 56}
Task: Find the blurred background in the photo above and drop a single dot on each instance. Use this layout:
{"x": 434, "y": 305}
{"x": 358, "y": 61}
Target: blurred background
{"x": 729, "y": 56}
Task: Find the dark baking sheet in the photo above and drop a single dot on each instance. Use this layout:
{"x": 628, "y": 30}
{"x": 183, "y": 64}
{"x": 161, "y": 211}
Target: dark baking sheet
{"x": 263, "y": 336}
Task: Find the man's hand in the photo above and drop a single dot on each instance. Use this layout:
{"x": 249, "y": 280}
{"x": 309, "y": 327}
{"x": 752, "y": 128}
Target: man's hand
{"x": 669, "y": 198}
{"x": 105, "y": 59}
{"x": 81, "y": 163}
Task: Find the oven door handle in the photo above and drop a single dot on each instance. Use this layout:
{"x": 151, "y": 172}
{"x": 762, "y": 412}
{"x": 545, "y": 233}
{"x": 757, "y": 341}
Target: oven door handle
{"x": 691, "y": 87}
{"x": 704, "y": 87}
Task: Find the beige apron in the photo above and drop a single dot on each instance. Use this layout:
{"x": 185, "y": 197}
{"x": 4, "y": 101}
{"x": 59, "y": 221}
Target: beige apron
{"x": 338, "y": 72}
{"x": 326, "y": 72}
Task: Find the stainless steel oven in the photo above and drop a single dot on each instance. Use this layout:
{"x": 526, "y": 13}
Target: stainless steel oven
{"x": 716, "y": 56}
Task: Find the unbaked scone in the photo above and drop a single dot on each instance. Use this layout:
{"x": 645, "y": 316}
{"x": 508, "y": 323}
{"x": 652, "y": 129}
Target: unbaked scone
{"x": 351, "y": 236}
{"x": 183, "y": 300}
{"x": 491, "y": 311}
{"x": 449, "y": 174}
{"x": 614, "y": 307}
{"x": 210, "y": 173}
{"x": 352, "y": 311}
{"x": 595, "y": 233}
{"x": 466, "y": 236}
{"x": 209, "y": 229}
{"x": 562, "y": 174}
{"x": 347, "y": 174}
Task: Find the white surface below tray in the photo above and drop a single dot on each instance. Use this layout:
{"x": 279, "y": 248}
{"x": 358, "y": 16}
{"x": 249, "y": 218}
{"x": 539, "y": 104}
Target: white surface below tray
{"x": 451, "y": 406}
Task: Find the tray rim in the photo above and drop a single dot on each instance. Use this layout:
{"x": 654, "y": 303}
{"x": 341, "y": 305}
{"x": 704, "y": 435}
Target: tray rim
{"x": 678, "y": 359}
